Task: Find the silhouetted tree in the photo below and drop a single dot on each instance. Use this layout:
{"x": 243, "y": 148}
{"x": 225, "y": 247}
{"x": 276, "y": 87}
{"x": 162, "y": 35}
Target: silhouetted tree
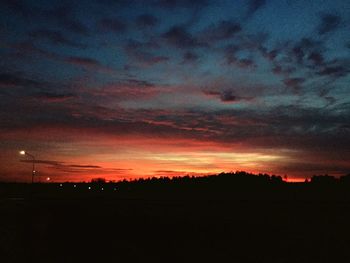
{"x": 323, "y": 179}
{"x": 98, "y": 181}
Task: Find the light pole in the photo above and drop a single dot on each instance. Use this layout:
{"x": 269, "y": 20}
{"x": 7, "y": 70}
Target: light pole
{"x": 33, "y": 159}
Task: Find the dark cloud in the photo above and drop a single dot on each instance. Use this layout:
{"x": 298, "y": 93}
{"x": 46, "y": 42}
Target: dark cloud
{"x": 279, "y": 70}
{"x": 83, "y": 61}
{"x": 55, "y": 37}
{"x": 171, "y": 4}
{"x": 76, "y": 27}
{"x": 294, "y": 127}
{"x": 270, "y": 55}
{"x": 119, "y": 3}
{"x": 225, "y": 95}
{"x": 245, "y": 63}
{"x": 255, "y": 5}
{"x": 307, "y": 55}
{"x": 149, "y": 59}
{"x": 307, "y": 48}
{"x": 133, "y": 45}
{"x": 138, "y": 82}
{"x": 316, "y": 57}
{"x": 316, "y": 167}
{"x": 124, "y": 90}
{"x": 287, "y": 127}
{"x": 329, "y": 23}
{"x": 62, "y": 165}
{"x": 230, "y": 53}
{"x": 27, "y": 49}
{"x": 113, "y": 25}
{"x": 87, "y": 63}
{"x": 20, "y": 7}
{"x": 54, "y": 97}
{"x": 179, "y": 37}
{"x": 84, "y": 166}
{"x": 13, "y": 80}
{"x": 294, "y": 82}
{"x": 190, "y": 57}
{"x": 65, "y": 17}
{"x": 43, "y": 162}
{"x": 228, "y": 96}
{"x": 335, "y": 71}
{"x": 140, "y": 54}
{"x": 331, "y": 100}
{"x": 146, "y": 20}
{"x": 231, "y": 57}
{"x": 222, "y": 31}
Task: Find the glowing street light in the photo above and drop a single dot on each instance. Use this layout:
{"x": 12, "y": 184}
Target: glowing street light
{"x": 33, "y": 159}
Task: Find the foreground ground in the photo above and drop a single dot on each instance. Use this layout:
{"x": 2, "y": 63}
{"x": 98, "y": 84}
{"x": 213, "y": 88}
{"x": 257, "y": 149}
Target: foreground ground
{"x": 110, "y": 228}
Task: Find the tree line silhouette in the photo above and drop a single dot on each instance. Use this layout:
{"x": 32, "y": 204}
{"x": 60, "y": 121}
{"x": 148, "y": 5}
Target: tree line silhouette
{"x": 238, "y": 185}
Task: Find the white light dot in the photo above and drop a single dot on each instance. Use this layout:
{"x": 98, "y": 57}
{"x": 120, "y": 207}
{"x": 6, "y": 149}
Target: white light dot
{"x": 75, "y": 185}
{"x": 102, "y": 188}
{"x": 89, "y": 188}
{"x": 61, "y": 185}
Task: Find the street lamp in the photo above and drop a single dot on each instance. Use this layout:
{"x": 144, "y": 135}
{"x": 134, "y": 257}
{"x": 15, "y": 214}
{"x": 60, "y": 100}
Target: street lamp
{"x": 33, "y": 159}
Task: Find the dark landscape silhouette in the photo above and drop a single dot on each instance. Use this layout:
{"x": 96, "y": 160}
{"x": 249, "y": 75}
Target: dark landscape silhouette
{"x": 236, "y": 217}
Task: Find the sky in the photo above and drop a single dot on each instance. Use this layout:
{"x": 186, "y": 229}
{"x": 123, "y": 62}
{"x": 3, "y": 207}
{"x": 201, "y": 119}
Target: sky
{"x": 126, "y": 89}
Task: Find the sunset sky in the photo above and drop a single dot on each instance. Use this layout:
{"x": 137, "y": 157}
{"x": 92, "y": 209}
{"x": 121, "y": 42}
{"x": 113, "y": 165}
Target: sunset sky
{"x": 125, "y": 89}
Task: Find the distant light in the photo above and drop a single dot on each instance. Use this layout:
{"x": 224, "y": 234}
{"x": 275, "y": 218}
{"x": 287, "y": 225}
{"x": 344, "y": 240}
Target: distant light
{"x": 102, "y": 188}
{"x": 75, "y": 185}
{"x": 48, "y": 179}
{"x": 61, "y": 185}
{"x": 22, "y": 152}
{"x": 89, "y": 187}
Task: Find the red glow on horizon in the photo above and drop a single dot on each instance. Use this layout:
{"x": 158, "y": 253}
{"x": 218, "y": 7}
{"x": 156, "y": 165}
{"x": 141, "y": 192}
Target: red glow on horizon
{"x": 129, "y": 156}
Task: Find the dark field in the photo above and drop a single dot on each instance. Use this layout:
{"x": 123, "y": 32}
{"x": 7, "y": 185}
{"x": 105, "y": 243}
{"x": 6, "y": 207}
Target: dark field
{"x": 49, "y": 223}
